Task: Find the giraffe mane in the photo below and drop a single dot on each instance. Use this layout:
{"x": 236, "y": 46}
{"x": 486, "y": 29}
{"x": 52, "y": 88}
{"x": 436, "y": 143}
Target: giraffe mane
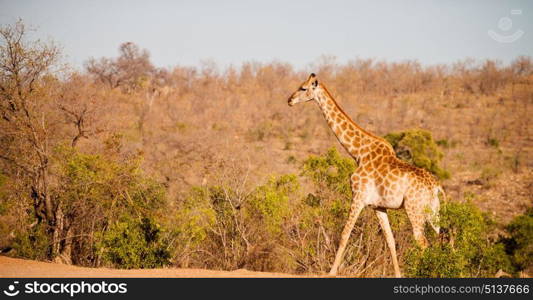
{"x": 353, "y": 122}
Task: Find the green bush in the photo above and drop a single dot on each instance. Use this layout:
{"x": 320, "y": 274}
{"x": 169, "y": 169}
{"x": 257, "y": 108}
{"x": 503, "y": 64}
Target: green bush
{"x": 330, "y": 174}
{"x": 95, "y": 194}
{"x": 464, "y": 249}
{"x": 443, "y": 143}
{"x": 131, "y": 243}
{"x": 417, "y": 146}
{"x": 493, "y": 142}
{"x": 114, "y": 185}
{"x": 434, "y": 262}
{"x": 190, "y": 226}
{"x": 228, "y": 228}
{"x": 212, "y": 229}
{"x": 195, "y": 215}
{"x": 331, "y": 169}
{"x": 270, "y": 202}
{"x": 519, "y": 244}
{"x": 33, "y": 243}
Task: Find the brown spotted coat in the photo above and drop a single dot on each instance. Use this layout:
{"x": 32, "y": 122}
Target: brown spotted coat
{"x": 381, "y": 180}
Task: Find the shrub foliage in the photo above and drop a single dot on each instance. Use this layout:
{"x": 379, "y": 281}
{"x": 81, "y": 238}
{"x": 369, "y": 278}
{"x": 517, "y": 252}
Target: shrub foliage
{"x": 417, "y": 146}
{"x": 464, "y": 248}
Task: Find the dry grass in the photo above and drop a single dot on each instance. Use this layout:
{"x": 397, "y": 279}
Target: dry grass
{"x": 242, "y": 114}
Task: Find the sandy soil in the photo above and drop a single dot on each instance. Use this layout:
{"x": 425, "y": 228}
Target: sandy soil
{"x": 21, "y": 268}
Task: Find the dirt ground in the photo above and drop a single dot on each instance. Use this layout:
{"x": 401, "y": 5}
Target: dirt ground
{"x": 22, "y": 268}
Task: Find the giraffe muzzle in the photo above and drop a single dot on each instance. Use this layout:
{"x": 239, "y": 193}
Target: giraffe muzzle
{"x": 290, "y": 102}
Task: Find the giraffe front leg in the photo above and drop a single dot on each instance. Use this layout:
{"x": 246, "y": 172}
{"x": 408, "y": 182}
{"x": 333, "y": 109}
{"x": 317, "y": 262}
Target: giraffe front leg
{"x": 355, "y": 210}
{"x": 389, "y": 237}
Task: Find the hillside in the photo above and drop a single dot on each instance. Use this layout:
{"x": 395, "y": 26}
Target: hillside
{"x": 129, "y": 165}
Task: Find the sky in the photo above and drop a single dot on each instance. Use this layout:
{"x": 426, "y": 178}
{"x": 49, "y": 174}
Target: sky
{"x": 297, "y": 32}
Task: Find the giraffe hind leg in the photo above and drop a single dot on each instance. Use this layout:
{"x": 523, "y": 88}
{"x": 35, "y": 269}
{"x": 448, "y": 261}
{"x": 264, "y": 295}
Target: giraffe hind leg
{"x": 434, "y": 217}
{"x": 434, "y": 225}
{"x": 418, "y": 232}
{"x": 418, "y": 217}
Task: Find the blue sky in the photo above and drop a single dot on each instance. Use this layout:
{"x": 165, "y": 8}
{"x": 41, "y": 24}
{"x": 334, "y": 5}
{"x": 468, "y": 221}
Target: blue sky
{"x": 298, "y": 32}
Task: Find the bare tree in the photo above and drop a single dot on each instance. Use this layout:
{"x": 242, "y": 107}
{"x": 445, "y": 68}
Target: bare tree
{"x": 105, "y": 70}
{"x": 25, "y": 124}
{"x": 80, "y": 102}
{"x": 131, "y": 70}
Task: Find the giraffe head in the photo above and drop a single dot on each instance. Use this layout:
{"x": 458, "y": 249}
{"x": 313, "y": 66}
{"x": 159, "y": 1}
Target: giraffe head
{"x": 306, "y": 91}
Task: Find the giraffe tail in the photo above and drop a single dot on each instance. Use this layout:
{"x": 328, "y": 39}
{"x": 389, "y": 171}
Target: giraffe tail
{"x": 435, "y": 207}
{"x": 441, "y": 190}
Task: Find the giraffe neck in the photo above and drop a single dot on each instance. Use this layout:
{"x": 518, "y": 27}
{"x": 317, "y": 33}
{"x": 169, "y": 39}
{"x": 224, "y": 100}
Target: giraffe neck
{"x": 359, "y": 143}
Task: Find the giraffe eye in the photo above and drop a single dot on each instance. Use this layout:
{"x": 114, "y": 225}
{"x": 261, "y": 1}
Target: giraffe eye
{"x": 303, "y": 89}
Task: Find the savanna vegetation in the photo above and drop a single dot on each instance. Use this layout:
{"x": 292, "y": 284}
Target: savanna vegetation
{"x": 127, "y": 165}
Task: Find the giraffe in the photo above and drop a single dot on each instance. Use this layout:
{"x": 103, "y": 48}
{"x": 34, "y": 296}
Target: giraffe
{"x": 381, "y": 180}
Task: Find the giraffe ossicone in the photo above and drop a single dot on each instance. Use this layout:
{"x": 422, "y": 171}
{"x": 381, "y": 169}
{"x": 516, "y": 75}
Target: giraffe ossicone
{"x": 381, "y": 180}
